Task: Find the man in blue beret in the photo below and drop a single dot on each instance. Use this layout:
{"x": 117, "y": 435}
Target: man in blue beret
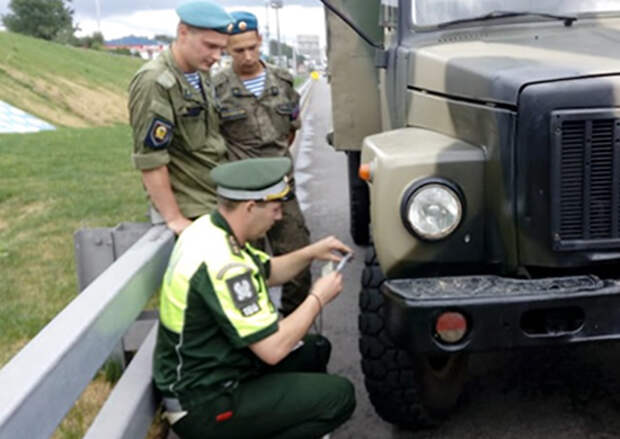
{"x": 175, "y": 124}
{"x": 259, "y": 115}
{"x": 225, "y": 364}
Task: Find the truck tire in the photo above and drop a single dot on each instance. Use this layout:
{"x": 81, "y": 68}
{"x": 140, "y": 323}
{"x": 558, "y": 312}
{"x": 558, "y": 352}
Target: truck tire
{"x": 413, "y": 391}
{"x": 359, "y": 212}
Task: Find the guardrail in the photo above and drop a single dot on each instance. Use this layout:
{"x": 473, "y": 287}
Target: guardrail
{"x": 43, "y": 381}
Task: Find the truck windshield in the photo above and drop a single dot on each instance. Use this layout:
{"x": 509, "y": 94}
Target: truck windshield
{"x": 425, "y": 13}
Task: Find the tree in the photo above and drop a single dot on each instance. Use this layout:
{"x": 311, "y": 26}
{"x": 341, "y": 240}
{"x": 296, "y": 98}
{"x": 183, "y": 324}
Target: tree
{"x": 93, "y": 41}
{"x": 164, "y": 38}
{"x": 40, "y": 18}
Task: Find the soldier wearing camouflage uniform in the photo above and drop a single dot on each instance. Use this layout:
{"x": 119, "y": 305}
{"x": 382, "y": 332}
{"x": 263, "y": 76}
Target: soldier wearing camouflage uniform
{"x": 174, "y": 118}
{"x": 259, "y": 115}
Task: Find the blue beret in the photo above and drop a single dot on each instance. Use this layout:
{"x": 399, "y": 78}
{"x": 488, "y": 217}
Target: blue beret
{"x": 243, "y": 22}
{"x": 205, "y": 14}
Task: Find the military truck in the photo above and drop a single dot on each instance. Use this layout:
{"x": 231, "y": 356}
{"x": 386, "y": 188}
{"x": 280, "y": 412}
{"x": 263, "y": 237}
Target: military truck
{"x": 487, "y": 138}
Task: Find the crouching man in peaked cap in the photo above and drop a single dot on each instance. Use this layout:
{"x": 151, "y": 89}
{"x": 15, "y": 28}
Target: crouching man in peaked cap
{"x": 226, "y": 366}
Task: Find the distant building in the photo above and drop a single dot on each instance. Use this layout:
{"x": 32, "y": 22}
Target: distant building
{"x": 308, "y": 46}
{"x": 145, "y": 47}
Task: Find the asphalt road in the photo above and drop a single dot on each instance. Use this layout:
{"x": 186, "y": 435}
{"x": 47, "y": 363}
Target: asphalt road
{"x": 546, "y": 393}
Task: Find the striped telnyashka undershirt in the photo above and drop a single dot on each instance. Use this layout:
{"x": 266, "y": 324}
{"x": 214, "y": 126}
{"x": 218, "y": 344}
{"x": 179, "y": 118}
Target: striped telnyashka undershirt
{"x": 256, "y": 85}
{"x": 194, "y": 80}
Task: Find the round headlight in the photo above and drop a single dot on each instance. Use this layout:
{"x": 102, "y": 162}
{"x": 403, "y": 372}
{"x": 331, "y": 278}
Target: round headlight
{"x": 434, "y": 211}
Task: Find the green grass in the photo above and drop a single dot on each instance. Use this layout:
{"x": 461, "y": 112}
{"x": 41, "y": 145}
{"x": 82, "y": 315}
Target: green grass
{"x": 64, "y": 85}
{"x": 37, "y": 57}
{"x": 52, "y": 184}
{"x": 299, "y": 80}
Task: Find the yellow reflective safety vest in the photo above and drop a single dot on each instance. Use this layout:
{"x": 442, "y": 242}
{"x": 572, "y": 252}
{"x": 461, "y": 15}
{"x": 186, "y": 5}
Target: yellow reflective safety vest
{"x": 214, "y": 303}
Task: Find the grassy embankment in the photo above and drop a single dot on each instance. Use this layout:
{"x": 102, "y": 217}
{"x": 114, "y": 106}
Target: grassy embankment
{"x": 53, "y": 183}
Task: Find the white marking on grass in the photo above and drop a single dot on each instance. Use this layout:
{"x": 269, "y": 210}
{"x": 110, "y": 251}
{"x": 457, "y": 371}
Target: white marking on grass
{"x": 14, "y": 120}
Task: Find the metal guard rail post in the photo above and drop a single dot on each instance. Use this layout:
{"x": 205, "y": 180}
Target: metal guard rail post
{"x": 43, "y": 381}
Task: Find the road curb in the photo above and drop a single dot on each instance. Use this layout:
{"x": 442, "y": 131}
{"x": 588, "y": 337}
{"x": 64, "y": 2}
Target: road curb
{"x": 304, "y": 91}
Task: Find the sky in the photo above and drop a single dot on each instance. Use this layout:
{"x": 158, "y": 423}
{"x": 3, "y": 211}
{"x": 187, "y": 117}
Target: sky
{"x": 149, "y": 17}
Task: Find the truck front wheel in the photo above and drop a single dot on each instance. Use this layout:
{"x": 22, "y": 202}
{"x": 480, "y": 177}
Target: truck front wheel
{"x": 413, "y": 391}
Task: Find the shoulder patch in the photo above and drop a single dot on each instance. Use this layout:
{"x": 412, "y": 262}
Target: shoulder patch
{"x": 244, "y": 294}
{"x": 159, "y": 134}
{"x": 166, "y": 79}
{"x": 234, "y": 247}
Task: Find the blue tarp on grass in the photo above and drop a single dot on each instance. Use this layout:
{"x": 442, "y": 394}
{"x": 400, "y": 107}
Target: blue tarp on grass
{"x": 14, "y": 120}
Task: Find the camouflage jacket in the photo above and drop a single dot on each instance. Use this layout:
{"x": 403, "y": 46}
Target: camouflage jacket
{"x": 175, "y": 125}
{"x": 257, "y": 126}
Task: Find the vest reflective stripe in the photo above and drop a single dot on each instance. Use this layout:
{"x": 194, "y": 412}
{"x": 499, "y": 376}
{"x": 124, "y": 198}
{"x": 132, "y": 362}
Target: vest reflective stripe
{"x": 184, "y": 262}
{"x": 222, "y": 265}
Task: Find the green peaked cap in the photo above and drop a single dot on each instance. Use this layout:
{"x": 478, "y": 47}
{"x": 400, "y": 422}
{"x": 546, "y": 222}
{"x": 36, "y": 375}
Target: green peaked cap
{"x": 253, "y": 179}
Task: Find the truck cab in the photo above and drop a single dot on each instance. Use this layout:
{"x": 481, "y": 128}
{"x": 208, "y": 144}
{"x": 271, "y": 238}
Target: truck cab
{"x": 492, "y": 179}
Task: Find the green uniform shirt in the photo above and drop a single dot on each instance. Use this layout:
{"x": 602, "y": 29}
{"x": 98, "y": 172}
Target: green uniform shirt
{"x": 257, "y": 126}
{"x": 176, "y": 126}
{"x": 214, "y": 303}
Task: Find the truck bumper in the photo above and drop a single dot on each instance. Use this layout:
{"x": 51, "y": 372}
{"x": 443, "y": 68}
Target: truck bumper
{"x": 502, "y": 313}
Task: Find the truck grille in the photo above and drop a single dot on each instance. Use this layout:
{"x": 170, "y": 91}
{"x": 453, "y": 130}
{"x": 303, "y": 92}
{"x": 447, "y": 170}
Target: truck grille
{"x": 585, "y": 180}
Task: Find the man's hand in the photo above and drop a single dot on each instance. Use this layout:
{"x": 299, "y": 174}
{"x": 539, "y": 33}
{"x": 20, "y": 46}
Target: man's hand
{"x": 157, "y": 183}
{"x": 179, "y": 224}
{"x": 292, "y": 328}
{"x": 325, "y": 248}
{"x": 286, "y": 267}
{"x": 327, "y": 287}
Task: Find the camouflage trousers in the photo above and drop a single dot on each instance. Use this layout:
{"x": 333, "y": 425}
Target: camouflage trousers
{"x": 287, "y": 235}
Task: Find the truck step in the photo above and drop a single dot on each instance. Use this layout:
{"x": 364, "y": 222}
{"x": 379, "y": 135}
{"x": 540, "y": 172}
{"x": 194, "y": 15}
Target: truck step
{"x": 491, "y": 286}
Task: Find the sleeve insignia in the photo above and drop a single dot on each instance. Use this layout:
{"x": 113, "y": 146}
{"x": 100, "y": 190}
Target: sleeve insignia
{"x": 244, "y": 294}
{"x": 159, "y": 134}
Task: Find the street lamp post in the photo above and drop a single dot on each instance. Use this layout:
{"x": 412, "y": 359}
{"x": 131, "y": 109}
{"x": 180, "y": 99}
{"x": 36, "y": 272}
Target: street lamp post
{"x": 277, "y": 4}
{"x": 267, "y": 26}
{"x": 98, "y": 7}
